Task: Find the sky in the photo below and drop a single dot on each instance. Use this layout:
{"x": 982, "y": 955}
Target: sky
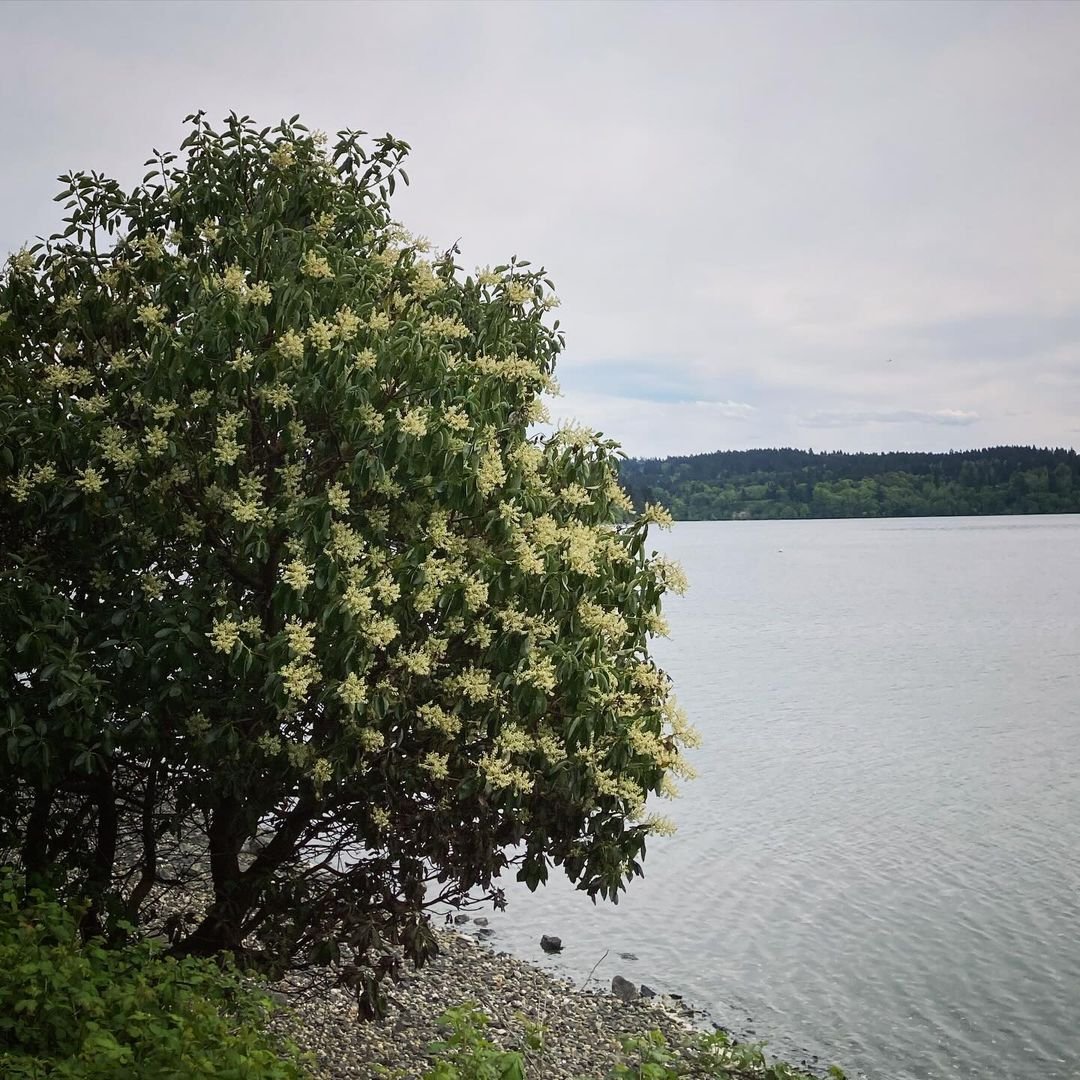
{"x": 850, "y": 226}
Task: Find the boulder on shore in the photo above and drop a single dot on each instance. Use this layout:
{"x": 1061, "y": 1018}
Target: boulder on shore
{"x": 549, "y": 943}
{"x": 624, "y": 989}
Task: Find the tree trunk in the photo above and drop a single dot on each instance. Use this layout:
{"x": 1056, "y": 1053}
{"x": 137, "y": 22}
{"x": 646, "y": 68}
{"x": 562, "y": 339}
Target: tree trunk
{"x": 221, "y": 928}
{"x": 34, "y": 854}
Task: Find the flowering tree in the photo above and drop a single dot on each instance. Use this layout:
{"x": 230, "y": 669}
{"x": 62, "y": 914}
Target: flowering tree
{"x": 298, "y": 614}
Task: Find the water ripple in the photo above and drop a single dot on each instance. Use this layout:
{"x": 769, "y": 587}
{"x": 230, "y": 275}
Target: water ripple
{"x": 879, "y": 865}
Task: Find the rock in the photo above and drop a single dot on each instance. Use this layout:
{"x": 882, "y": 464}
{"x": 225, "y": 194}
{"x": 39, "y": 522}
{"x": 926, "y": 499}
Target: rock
{"x": 481, "y": 921}
{"x": 550, "y": 943}
{"x": 627, "y": 956}
{"x": 460, "y": 919}
{"x": 484, "y": 932}
{"x": 278, "y": 998}
{"x": 647, "y": 991}
{"x": 623, "y": 989}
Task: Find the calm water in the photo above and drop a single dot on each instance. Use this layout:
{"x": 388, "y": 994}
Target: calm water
{"x": 880, "y": 863}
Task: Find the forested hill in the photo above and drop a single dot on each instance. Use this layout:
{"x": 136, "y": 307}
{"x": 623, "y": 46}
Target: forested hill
{"x": 799, "y": 483}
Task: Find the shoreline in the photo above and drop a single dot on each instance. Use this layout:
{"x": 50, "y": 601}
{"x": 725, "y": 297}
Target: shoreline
{"x": 582, "y": 1028}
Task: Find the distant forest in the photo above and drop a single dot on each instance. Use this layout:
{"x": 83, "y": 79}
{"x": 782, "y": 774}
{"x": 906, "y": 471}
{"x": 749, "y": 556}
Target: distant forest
{"x": 801, "y": 484}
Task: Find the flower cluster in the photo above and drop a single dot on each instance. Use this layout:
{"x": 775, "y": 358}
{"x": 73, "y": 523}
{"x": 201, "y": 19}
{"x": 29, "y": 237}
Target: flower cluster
{"x": 117, "y": 449}
{"x": 297, "y": 677}
{"x": 490, "y": 472}
{"x": 225, "y": 635}
{"x": 283, "y": 156}
{"x": 291, "y": 346}
{"x": 503, "y": 776}
{"x": 444, "y": 327}
{"x": 414, "y": 423}
{"x": 353, "y": 691}
{"x": 234, "y": 282}
{"x": 321, "y": 334}
{"x": 150, "y": 315}
{"x": 671, "y": 574}
{"x": 226, "y": 447}
{"x": 298, "y": 575}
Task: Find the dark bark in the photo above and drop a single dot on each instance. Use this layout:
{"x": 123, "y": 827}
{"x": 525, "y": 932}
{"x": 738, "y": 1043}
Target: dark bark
{"x": 103, "y": 863}
{"x": 67, "y": 841}
{"x": 149, "y": 853}
{"x": 237, "y": 893}
{"x": 35, "y": 850}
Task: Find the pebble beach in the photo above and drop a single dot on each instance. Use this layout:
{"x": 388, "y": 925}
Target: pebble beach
{"x": 582, "y": 1028}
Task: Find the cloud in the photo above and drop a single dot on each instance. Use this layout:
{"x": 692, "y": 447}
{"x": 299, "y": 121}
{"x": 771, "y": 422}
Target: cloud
{"x": 946, "y": 417}
{"x": 737, "y": 203}
{"x": 645, "y": 428}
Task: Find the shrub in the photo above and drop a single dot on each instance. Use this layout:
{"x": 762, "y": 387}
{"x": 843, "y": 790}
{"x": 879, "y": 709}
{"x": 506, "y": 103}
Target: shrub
{"x": 704, "y": 1056}
{"x": 75, "y": 1009}
{"x": 285, "y": 562}
{"x": 468, "y": 1054}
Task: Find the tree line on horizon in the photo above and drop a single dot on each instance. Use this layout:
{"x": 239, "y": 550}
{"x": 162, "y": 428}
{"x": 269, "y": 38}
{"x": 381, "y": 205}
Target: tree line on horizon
{"x": 789, "y": 483}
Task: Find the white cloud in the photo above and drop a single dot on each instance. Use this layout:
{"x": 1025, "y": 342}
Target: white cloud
{"x": 950, "y": 417}
{"x": 656, "y": 428}
{"x": 771, "y": 200}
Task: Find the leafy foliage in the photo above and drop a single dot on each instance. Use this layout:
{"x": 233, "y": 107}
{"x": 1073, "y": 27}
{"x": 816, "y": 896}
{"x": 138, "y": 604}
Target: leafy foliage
{"x": 468, "y": 1054}
{"x": 75, "y": 1009}
{"x": 710, "y": 1057}
{"x": 308, "y": 630}
{"x": 800, "y": 484}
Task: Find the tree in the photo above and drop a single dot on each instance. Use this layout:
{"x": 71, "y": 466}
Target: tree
{"x": 299, "y": 617}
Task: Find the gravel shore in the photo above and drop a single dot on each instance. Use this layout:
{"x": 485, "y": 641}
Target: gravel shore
{"x": 581, "y": 1029}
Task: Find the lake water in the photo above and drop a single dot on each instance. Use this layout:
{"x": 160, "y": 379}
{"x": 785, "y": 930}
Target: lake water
{"x": 880, "y": 862}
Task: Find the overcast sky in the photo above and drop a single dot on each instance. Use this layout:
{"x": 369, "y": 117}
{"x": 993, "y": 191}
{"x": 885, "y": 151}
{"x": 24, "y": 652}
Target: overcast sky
{"x": 838, "y": 225}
